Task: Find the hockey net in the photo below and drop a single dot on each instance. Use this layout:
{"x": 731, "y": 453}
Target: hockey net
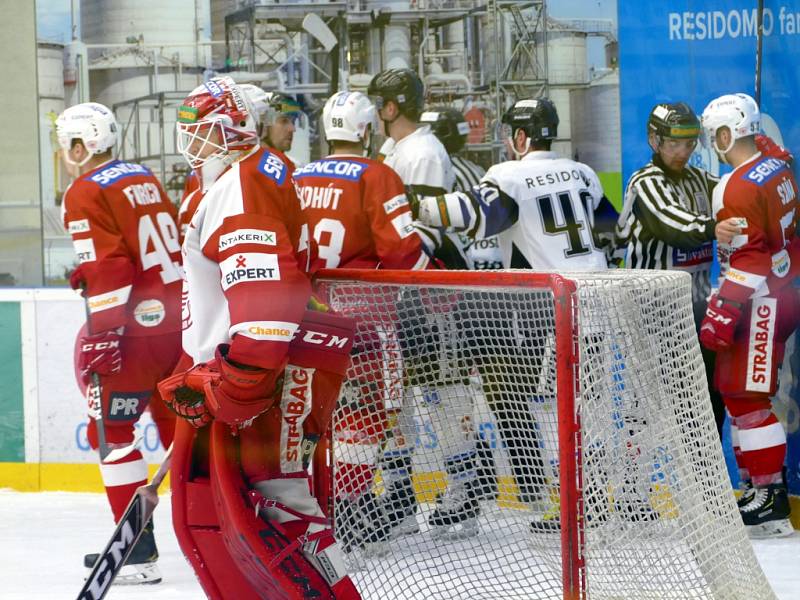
{"x": 589, "y": 391}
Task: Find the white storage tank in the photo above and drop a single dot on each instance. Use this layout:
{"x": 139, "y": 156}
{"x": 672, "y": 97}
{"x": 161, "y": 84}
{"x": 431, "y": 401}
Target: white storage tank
{"x": 595, "y": 123}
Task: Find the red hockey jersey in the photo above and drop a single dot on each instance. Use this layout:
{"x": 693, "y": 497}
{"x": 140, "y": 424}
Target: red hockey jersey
{"x": 244, "y": 285}
{"x": 125, "y": 236}
{"x": 762, "y": 193}
{"x": 356, "y": 216}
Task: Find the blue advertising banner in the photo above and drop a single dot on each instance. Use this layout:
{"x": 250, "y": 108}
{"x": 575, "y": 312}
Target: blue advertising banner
{"x": 694, "y": 51}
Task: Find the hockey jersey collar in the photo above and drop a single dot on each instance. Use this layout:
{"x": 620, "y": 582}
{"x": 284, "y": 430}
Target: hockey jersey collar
{"x": 424, "y": 130}
{"x": 540, "y": 155}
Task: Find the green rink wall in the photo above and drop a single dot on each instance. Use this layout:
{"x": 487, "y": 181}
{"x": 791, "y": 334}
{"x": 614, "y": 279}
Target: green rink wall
{"x": 12, "y": 416}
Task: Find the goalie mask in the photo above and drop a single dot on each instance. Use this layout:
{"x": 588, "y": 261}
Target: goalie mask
{"x": 538, "y": 118}
{"x": 215, "y": 124}
{"x": 738, "y": 112}
{"x": 349, "y": 117}
{"x": 449, "y": 125}
{"x": 91, "y": 123}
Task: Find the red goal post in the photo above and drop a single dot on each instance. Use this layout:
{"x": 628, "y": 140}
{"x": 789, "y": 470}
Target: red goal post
{"x": 636, "y": 476}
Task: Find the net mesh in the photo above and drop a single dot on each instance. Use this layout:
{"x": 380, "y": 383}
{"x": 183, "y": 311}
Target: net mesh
{"x": 445, "y": 461}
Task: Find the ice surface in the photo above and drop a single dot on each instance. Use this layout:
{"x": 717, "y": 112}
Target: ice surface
{"x": 43, "y": 537}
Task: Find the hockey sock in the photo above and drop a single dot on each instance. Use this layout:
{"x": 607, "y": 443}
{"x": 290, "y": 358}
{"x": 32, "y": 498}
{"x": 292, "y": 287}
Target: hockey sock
{"x": 121, "y": 478}
{"x": 486, "y": 469}
{"x": 762, "y": 440}
{"x": 744, "y": 474}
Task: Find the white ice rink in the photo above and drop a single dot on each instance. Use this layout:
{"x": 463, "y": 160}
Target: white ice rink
{"x": 43, "y": 537}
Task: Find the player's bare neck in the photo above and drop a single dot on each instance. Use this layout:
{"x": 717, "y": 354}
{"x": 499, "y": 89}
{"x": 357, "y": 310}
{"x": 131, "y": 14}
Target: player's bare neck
{"x": 402, "y": 128}
{"x": 744, "y": 150}
{"x": 98, "y": 160}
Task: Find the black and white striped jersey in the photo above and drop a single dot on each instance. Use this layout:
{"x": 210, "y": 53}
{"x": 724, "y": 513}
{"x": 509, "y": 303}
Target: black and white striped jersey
{"x": 484, "y": 254}
{"x": 666, "y": 223}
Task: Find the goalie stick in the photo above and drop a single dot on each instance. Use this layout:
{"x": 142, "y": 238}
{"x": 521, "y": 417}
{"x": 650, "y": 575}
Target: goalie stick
{"x": 125, "y": 536}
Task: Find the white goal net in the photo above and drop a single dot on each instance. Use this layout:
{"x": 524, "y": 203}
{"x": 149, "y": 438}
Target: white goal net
{"x": 518, "y": 435}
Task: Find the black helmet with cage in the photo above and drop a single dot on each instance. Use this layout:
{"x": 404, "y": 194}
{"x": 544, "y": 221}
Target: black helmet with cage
{"x": 402, "y": 86}
{"x": 449, "y": 125}
{"x": 537, "y": 117}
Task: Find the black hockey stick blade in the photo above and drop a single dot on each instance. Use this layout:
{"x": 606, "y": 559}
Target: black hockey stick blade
{"x": 125, "y": 536}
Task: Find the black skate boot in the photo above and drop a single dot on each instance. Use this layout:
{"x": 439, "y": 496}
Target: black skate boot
{"x": 457, "y": 510}
{"x": 140, "y": 567}
{"x": 486, "y": 487}
{"x": 362, "y": 524}
{"x": 399, "y": 503}
{"x": 766, "y": 511}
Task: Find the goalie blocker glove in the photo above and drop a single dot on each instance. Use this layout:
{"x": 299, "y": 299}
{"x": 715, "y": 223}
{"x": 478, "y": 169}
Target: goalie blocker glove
{"x": 719, "y": 323}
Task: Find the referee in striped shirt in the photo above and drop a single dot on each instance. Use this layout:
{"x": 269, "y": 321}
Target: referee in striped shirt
{"x": 666, "y": 220}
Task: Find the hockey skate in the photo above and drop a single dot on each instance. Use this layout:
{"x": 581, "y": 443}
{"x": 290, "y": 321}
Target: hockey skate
{"x": 765, "y": 512}
{"x": 456, "y": 513}
{"x": 141, "y": 566}
{"x": 362, "y": 525}
{"x": 399, "y": 505}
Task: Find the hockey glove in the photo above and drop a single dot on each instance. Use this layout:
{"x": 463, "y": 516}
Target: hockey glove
{"x": 99, "y": 353}
{"x": 234, "y": 394}
{"x": 719, "y": 324}
{"x": 77, "y": 279}
{"x": 184, "y": 401}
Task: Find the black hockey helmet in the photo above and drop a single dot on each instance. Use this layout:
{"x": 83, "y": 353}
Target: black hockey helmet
{"x": 449, "y": 125}
{"x": 537, "y": 117}
{"x": 676, "y": 120}
{"x": 401, "y": 85}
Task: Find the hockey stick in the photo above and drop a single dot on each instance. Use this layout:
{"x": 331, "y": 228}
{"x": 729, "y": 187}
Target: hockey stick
{"x": 125, "y": 536}
{"x": 320, "y": 31}
{"x": 759, "y": 49}
{"x": 94, "y": 397}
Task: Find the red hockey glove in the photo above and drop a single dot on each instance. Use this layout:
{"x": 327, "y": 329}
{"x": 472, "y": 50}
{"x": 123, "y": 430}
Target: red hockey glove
{"x": 184, "y": 401}
{"x": 77, "y": 279}
{"x": 719, "y": 324}
{"x": 767, "y": 146}
{"x": 99, "y": 353}
{"x": 234, "y": 393}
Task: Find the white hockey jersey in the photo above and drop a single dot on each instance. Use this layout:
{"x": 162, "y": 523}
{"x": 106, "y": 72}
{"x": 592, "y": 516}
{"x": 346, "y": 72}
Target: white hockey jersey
{"x": 421, "y": 160}
{"x": 542, "y": 206}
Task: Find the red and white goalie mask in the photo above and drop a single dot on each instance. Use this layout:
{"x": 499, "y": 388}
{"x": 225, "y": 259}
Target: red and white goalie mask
{"x": 216, "y": 125}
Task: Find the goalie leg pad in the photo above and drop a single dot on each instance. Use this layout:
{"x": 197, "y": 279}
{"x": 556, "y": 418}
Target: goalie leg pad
{"x": 270, "y": 554}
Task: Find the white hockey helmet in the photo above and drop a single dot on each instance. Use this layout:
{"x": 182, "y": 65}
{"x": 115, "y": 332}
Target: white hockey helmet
{"x": 258, "y": 97}
{"x": 738, "y": 112}
{"x": 348, "y": 116}
{"x": 90, "y": 122}
{"x": 215, "y": 120}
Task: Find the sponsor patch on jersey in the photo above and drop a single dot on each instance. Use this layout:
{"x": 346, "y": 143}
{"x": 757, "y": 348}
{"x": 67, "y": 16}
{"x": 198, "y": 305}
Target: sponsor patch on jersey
{"x": 692, "y": 260}
{"x": 764, "y": 170}
{"x": 335, "y": 169}
{"x": 781, "y": 263}
{"x": 117, "y": 170}
{"x": 295, "y": 407}
{"x": 393, "y": 204}
{"x": 763, "y": 315}
{"x": 247, "y": 236}
{"x": 249, "y": 266}
{"x": 84, "y": 249}
{"x": 110, "y": 299}
{"x": 273, "y": 167}
{"x": 273, "y": 331}
{"x": 125, "y": 406}
{"x": 81, "y": 226}
{"x": 149, "y": 313}
{"x": 403, "y": 225}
